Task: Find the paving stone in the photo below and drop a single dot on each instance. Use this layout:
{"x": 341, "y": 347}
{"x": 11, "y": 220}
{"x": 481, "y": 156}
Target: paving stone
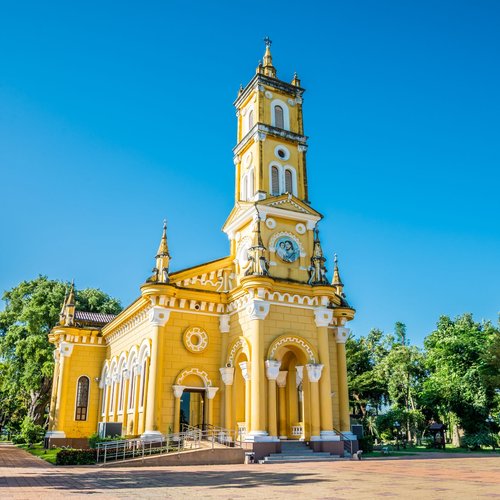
{"x": 428, "y": 477}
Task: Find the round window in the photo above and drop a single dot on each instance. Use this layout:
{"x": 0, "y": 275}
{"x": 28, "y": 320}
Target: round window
{"x": 281, "y": 152}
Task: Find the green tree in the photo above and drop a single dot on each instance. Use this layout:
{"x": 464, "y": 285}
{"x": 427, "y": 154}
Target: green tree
{"x": 26, "y": 356}
{"x": 367, "y": 388}
{"x": 403, "y": 370}
{"x": 462, "y": 358}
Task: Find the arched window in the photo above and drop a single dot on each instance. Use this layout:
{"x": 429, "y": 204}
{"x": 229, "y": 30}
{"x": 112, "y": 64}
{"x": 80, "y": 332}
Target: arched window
{"x": 244, "y": 187}
{"x": 275, "y": 181}
{"x": 143, "y": 382}
{"x": 122, "y": 390}
{"x": 82, "y": 398}
{"x": 131, "y": 389}
{"x": 250, "y": 185}
{"x": 250, "y": 119}
{"x": 104, "y": 391}
{"x": 278, "y": 117}
{"x": 112, "y": 395}
{"x": 288, "y": 181}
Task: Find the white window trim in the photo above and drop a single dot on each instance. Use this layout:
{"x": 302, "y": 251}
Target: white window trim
{"x": 294, "y": 179}
{"x": 76, "y": 399}
{"x": 286, "y": 113}
{"x": 281, "y": 178}
{"x": 247, "y": 188}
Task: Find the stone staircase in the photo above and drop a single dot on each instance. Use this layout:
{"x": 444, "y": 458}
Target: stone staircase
{"x": 298, "y": 451}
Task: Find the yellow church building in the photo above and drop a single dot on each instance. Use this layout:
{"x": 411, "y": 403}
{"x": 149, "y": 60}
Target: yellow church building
{"x": 253, "y": 342}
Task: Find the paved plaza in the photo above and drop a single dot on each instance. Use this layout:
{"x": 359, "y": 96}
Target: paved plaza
{"x": 451, "y": 477}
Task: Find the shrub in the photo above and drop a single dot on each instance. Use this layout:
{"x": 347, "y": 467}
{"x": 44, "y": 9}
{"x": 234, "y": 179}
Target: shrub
{"x": 475, "y": 441}
{"x": 18, "y": 439}
{"x": 31, "y": 432}
{"x": 76, "y": 457}
{"x": 95, "y": 439}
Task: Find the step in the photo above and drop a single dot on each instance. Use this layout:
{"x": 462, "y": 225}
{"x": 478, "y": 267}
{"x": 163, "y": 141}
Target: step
{"x": 331, "y": 458}
{"x": 298, "y": 455}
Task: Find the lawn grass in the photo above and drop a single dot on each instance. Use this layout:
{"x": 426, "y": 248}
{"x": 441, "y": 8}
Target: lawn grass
{"x": 415, "y": 450}
{"x": 39, "y": 451}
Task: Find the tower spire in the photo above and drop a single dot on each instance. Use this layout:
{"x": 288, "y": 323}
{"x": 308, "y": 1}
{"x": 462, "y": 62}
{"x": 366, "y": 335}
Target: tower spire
{"x": 267, "y": 68}
{"x": 257, "y": 262}
{"x": 67, "y": 314}
{"x": 317, "y": 271}
{"x": 336, "y": 280}
{"x": 160, "y": 271}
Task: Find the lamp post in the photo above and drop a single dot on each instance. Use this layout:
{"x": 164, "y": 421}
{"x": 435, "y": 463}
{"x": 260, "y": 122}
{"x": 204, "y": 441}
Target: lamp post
{"x": 397, "y": 426}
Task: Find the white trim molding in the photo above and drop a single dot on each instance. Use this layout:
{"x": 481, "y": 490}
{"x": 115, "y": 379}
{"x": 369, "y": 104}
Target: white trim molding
{"x": 159, "y": 316}
{"x": 258, "y": 309}
{"x": 323, "y": 316}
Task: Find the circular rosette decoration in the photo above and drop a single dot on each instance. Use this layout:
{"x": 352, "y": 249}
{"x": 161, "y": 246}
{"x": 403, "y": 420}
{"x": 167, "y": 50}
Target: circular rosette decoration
{"x": 195, "y": 339}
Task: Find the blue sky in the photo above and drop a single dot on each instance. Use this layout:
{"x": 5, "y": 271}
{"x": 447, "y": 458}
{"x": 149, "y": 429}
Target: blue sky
{"x": 114, "y": 116}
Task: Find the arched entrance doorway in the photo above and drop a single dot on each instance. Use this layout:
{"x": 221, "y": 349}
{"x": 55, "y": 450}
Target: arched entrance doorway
{"x": 193, "y": 399}
{"x": 192, "y": 408}
{"x": 293, "y": 387}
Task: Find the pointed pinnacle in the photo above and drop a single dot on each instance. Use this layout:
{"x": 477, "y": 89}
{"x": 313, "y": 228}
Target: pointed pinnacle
{"x": 163, "y": 248}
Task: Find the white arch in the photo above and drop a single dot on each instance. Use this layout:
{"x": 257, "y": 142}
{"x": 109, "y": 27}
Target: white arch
{"x": 294, "y": 179}
{"x": 132, "y": 358}
{"x": 286, "y": 113}
{"x": 144, "y": 350}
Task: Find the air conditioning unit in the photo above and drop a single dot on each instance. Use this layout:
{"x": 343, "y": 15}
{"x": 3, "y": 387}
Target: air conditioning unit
{"x": 357, "y": 430}
{"x": 109, "y": 429}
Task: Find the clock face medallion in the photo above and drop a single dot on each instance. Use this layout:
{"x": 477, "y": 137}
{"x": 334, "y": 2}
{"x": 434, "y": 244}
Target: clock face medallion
{"x": 287, "y": 249}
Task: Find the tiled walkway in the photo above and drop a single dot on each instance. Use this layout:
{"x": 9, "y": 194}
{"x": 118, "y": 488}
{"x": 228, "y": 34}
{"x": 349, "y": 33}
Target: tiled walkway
{"x": 23, "y": 476}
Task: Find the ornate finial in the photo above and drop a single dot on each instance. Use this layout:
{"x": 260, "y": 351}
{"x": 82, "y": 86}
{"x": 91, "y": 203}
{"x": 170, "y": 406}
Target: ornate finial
{"x": 67, "y": 315}
{"x": 163, "y": 248}
{"x": 257, "y": 262}
{"x": 160, "y": 271}
{"x": 268, "y": 69}
{"x": 71, "y": 295}
{"x": 317, "y": 270}
{"x": 296, "y": 80}
{"x": 240, "y": 90}
{"x": 337, "y": 283}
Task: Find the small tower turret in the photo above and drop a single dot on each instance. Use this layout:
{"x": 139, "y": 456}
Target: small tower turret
{"x": 257, "y": 262}
{"x": 67, "y": 314}
{"x": 161, "y": 270}
{"x": 317, "y": 270}
{"x": 336, "y": 281}
{"x": 268, "y": 69}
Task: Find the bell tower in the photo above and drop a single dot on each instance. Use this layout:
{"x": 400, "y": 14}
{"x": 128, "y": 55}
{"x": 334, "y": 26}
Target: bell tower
{"x": 270, "y": 155}
{"x": 271, "y": 182}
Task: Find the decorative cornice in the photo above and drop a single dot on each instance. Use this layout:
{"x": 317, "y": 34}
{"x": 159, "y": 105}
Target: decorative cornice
{"x": 314, "y": 372}
{"x": 66, "y": 349}
{"x": 341, "y": 334}
{"x": 227, "y": 375}
{"x": 257, "y": 309}
{"x": 323, "y": 316}
{"x": 272, "y": 369}
{"x": 245, "y": 370}
{"x": 211, "y": 391}
{"x": 178, "y": 390}
{"x": 159, "y": 316}
{"x": 261, "y": 128}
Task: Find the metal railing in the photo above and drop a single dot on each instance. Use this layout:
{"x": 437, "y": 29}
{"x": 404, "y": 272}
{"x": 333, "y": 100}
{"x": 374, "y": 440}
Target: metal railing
{"x": 191, "y": 438}
{"x": 347, "y": 443}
